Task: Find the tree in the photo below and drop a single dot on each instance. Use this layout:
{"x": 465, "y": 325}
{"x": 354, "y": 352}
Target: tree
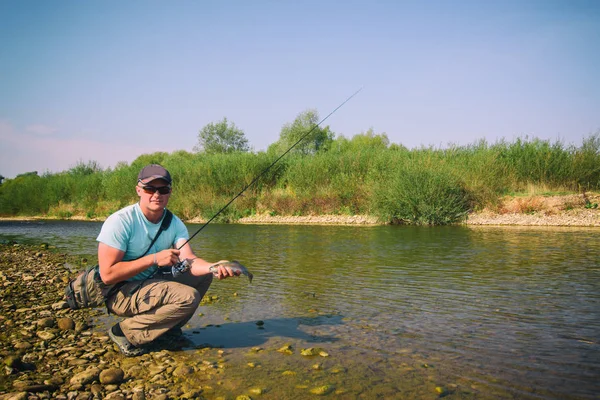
{"x": 319, "y": 139}
{"x": 82, "y": 168}
{"x": 221, "y": 137}
{"x": 363, "y": 141}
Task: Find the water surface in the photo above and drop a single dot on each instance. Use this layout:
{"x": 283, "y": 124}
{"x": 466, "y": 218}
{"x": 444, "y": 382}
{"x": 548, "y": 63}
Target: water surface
{"x": 403, "y": 312}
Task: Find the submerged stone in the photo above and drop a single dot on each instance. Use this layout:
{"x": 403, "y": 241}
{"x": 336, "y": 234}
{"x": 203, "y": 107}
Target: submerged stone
{"x": 322, "y": 390}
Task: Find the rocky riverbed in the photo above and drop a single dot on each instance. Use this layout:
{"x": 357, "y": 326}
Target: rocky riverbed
{"x": 50, "y": 351}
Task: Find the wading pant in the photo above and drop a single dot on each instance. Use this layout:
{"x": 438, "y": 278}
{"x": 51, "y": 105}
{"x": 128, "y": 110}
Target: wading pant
{"x": 158, "y": 305}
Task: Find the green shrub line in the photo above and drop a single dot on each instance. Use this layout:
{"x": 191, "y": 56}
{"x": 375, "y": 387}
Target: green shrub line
{"x": 425, "y": 186}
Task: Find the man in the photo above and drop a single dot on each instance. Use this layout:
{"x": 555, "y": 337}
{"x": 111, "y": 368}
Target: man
{"x": 154, "y": 303}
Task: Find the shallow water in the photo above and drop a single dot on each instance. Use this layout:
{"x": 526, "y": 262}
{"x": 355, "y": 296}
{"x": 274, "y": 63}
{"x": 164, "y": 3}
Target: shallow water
{"x": 403, "y": 312}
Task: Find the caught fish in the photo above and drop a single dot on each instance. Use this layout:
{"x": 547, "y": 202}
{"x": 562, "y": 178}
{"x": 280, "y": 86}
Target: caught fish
{"x": 235, "y": 267}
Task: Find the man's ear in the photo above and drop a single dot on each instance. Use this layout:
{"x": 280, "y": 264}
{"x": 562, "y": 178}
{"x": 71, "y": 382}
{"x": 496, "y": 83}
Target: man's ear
{"x": 138, "y": 190}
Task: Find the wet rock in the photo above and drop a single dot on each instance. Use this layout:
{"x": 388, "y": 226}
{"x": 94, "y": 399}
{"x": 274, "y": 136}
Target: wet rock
{"x": 111, "y": 376}
{"x": 322, "y": 390}
{"x": 286, "y": 349}
{"x": 183, "y": 370}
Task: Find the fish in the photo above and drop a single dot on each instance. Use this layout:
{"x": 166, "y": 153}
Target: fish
{"x": 235, "y": 267}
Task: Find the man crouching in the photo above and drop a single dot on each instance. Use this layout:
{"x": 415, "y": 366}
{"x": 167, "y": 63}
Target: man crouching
{"x": 131, "y": 253}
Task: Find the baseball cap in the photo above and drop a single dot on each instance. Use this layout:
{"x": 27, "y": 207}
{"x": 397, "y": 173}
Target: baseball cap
{"x": 152, "y": 172}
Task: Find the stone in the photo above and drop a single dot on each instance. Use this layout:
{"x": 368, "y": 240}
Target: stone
{"x": 15, "y": 396}
{"x": 183, "y": 370}
{"x": 61, "y": 305}
{"x": 45, "y": 323}
{"x": 23, "y": 345}
{"x": 85, "y": 377}
{"x": 111, "y": 376}
{"x": 45, "y": 335}
{"x": 66, "y": 324}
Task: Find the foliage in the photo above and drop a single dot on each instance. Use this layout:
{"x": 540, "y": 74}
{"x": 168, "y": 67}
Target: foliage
{"x": 361, "y": 175}
{"x": 362, "y": 141}
{"x": 221, "y": 137}
{"x": 422, "y": 195}
{"x": 304, "y": 134}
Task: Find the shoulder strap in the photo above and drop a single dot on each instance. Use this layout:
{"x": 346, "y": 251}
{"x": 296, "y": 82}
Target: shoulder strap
{"x": 166, "y": 222}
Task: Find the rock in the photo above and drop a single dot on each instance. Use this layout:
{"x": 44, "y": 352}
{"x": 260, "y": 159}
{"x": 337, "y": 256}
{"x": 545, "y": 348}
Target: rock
{"x": 111, "y": 376}
{"x": 61, "y": 305}
{"x": 45, "y": 335}
{"x": 12, "y": 361}
{"x": 23, "y": 345}
{"x": 140, "y": 396}
{"x": 14, "y": 396}
{"x": 66, "y": 324}
{"x": 322, "y": 390}
{"x": 21, "y": 385}
{"x": 183, "y": 370}
{"x": 96, "y": 390}
{"x": 287, "y": 349}
{"x": 85, "y": 377}
{"x": 55, "y": 381}
{"x": 115, "y": 396}
{"x": 37, "y": 388}
{"x": 45, "y": 323}
{"x": 81, "y": 326}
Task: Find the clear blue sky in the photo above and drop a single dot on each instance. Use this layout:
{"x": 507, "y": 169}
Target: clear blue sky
{"x": 110, "y": 80}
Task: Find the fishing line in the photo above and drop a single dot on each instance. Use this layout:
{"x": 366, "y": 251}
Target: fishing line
{"x": 269, "y": 167}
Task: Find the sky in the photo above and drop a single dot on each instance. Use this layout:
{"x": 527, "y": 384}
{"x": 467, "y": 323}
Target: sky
{"x": 109, "y": 80}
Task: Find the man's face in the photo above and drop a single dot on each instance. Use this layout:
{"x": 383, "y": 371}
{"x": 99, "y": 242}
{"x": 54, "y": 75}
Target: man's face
{"x": 150, "y": 194}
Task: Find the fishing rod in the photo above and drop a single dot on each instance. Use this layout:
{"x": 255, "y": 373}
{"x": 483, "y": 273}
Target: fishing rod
{"x": 268, "y": 168}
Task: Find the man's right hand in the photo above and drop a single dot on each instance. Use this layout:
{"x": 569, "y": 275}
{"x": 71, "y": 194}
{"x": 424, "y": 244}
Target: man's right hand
{"x": 167, "y": 258}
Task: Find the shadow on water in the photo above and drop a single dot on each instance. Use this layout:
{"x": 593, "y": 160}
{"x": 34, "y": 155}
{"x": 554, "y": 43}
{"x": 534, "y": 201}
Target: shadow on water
{"x": 257, "y": 333}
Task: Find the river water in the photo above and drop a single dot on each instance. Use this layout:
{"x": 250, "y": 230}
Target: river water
{"x": 402, "y": 312}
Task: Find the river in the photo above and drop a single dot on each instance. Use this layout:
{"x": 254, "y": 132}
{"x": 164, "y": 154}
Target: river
{"x": 402, "y": 312}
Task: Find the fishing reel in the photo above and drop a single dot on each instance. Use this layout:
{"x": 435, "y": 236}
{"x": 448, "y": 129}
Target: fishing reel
{"x": 180, "y": 268}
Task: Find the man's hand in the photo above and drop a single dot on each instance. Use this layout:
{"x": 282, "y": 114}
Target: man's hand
{"x": 221, "y": 272}
{"x": 167, "y": 258}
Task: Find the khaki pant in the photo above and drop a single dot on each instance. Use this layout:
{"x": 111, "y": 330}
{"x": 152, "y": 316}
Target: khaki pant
{"x": 158, "y": 305}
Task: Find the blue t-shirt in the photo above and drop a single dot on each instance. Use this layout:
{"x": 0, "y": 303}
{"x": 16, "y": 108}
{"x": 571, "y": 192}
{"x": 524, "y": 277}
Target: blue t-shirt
{"x": 130, "y": 231}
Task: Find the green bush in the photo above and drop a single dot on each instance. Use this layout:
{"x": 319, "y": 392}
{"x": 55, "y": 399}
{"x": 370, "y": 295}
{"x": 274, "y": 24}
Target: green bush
{"x": 421, "y": 196}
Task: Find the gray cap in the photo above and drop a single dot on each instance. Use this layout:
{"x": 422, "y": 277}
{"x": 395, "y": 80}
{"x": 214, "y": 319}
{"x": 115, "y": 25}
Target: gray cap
{"x": 152, "y": 172}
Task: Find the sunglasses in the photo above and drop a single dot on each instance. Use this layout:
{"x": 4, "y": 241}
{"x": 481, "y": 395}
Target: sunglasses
{"x": 161, "y": 189}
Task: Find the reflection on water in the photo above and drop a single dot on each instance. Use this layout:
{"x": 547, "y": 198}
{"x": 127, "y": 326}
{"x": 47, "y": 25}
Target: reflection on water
{"x": 498, "y": 312}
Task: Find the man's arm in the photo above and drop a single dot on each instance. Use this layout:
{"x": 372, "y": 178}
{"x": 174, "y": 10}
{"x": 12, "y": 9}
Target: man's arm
{"x": 114, "y": 270}
{"x": 201, "y": 267}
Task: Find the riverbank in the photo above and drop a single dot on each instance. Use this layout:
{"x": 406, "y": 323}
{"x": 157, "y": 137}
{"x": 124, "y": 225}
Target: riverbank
{"x": 50, "y": 351}
{"x": 538, "y": 210}
{"x": 564, "y": 210}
